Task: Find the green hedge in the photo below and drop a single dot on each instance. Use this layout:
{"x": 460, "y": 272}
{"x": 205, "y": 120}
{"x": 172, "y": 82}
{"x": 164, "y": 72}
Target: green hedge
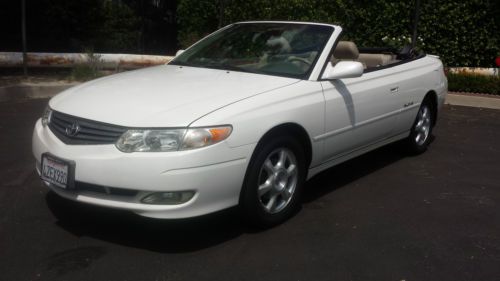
{"x": 462, "y": 32}
{"x": 473, "y": 83}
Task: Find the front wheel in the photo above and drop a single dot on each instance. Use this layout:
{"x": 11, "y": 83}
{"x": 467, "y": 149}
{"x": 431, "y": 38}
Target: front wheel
{"x": 271, "y": 192}
{"x": 420, "y": 134}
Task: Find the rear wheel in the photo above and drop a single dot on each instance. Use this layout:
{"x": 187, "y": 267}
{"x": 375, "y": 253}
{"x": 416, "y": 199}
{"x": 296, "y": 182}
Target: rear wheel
{"x": 420, "y": 134}
{"x": 272, "y": 188}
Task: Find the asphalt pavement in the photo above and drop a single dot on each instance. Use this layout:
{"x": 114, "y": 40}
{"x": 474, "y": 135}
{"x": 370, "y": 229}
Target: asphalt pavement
{"x": 381, "y": 216}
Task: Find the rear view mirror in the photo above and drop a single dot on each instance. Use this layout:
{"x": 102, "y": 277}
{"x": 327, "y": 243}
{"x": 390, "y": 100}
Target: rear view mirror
{"x": 343, "y": 69}
{"x": 179, "y": 52}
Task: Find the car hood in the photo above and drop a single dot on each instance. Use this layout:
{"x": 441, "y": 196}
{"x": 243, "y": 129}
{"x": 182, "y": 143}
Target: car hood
{"x": 162, "y": 96}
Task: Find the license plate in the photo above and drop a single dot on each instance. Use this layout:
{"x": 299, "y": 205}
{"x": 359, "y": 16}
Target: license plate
{"x": 56, "y": 171}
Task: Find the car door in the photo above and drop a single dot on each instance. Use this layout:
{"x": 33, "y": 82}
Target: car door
{"x": 359, "y": 111}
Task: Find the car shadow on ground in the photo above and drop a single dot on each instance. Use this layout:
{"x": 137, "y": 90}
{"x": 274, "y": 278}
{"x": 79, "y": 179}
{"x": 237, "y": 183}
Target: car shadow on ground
{"x": 187, "y": 235}
{"x": 349, "y": 171}
{"x": 128, "y": 229}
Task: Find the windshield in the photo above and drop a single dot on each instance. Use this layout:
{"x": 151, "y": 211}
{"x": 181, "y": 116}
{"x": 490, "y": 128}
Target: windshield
{"x": 283, "y": 49}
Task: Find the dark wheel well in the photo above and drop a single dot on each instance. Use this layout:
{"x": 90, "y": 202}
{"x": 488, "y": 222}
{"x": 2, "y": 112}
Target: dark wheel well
{"x": 294, "y": 130}
{"x": 288, "y": 136}
{"x": 432, "y": 98}
{"x": 285, "y": 129}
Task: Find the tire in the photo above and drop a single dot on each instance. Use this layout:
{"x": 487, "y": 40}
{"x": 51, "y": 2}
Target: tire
{"x": 421, "y": 131}
{"x": 273, "y": 183}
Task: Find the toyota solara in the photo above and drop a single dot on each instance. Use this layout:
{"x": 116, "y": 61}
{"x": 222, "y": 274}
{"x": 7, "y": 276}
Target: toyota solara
{"x": 241, "y": 118}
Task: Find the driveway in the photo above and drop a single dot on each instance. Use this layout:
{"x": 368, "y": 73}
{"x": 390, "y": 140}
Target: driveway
{"x": 381, "y": 216}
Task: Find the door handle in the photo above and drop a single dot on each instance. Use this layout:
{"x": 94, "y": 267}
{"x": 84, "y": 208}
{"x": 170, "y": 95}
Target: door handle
{"x": 395, "y": 90}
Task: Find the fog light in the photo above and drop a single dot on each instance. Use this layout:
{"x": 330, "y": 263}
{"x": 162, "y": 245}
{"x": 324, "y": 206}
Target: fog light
{"x": 168, "y": 198}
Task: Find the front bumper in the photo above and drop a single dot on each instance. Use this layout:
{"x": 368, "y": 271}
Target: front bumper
{"x": 215, "y": 173}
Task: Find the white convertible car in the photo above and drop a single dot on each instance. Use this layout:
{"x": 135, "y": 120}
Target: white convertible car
{"x": 243, "y": 117}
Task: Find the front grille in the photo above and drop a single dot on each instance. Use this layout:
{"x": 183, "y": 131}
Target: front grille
{"x": 75, "y": 130}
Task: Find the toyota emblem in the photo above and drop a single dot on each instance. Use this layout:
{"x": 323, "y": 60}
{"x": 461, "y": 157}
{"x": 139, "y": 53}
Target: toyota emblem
{"x": 73, "y": 129}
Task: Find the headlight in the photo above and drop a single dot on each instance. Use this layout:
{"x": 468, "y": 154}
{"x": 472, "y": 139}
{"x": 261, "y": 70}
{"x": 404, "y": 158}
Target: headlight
{"x": 47, "y": 113}
{"x": 171, "y": 139}
{"x": 200, "y": 137}
{"x": 150, "y": 140}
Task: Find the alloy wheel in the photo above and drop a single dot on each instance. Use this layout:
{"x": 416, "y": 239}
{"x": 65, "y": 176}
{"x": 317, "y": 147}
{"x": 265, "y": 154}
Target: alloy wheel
{"x": 423, "y": 125}
{"x": 278, "y": 179}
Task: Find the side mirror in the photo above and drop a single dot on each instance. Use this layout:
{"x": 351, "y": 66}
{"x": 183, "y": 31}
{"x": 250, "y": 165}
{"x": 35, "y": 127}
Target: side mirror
{"x": 179, "y": 52}
{"x": 343, "y": 69}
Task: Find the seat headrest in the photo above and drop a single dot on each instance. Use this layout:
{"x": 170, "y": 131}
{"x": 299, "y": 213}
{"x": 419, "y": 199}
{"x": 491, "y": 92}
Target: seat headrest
{"x": 346, "y": 50}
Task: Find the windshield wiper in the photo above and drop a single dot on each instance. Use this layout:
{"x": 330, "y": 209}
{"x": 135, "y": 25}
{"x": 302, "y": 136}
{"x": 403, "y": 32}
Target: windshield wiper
{"x": 221, "y": 66}
{"x": 224, "y": 66}
{"x": 180, "y": 63}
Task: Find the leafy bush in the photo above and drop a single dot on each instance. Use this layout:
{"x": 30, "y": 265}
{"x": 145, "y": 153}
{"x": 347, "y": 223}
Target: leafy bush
{"x": 198, "y": 19}
{"x": 118, "y": 31}
{"x": 83, "y": 73}
{"x": 104, "y": 25}
{"x": 462, "y": 32}
{"x": 474, "y": 83}
{"x": 90, "y": 70}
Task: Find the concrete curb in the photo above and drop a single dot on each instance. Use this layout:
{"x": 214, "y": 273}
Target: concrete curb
{"x": 34, "y": 91}
{"x": 473, "y": 101}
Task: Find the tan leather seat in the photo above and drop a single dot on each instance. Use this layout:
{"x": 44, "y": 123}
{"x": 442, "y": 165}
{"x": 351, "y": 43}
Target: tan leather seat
{"x": 345, "y": 50}
{"x": 375, "y": 60}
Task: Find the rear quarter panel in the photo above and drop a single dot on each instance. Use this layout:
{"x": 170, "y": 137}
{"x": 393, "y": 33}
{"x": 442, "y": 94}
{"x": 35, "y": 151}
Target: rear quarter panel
{"x": 416, "y": 79}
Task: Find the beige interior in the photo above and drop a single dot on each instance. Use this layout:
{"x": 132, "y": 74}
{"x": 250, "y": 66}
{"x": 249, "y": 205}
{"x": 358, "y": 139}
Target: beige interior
{"x": 348, "y": 51}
